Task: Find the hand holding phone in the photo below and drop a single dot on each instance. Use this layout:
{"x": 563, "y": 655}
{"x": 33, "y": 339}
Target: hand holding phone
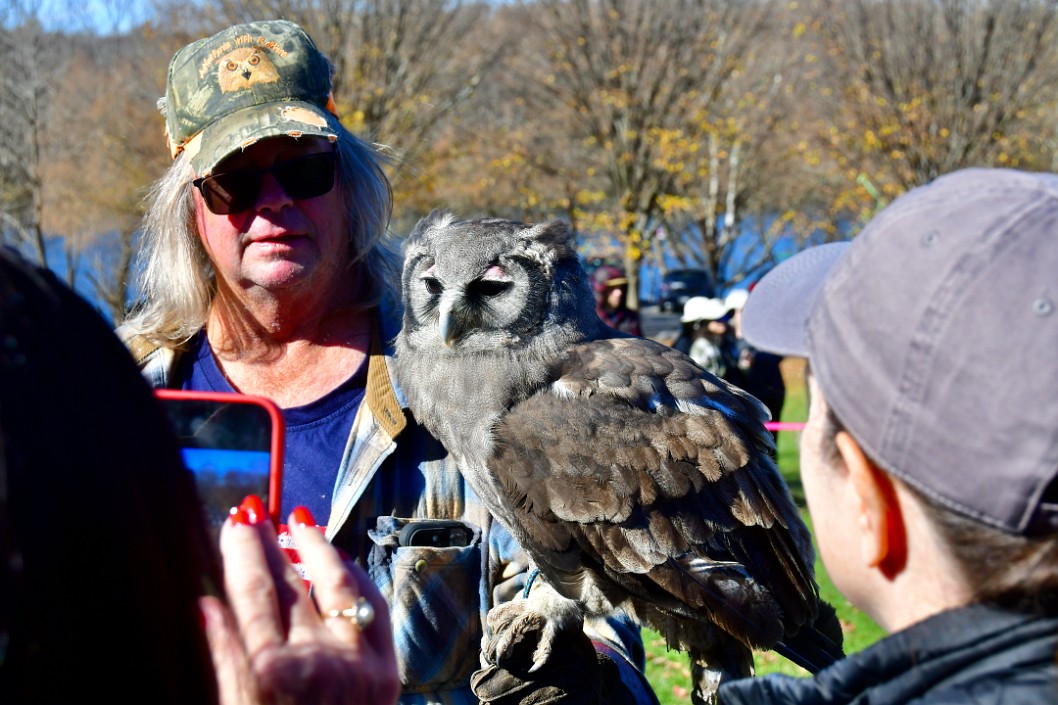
{"x": 233, "y": 443}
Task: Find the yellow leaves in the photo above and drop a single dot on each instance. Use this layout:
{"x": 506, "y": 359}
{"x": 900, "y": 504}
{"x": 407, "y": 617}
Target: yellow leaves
{"x": 799, "y": 29}
{"x": 585, "y": 197}
{"x": 910, "y": 106}
{"x": 509, "y": 161}
{"x": 672, "y": 204}
{"x": 355, "y": 121}
{"x": 627, "y": 221}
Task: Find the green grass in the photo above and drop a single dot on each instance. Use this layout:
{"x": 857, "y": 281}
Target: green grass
{"x": 669, "y": 671}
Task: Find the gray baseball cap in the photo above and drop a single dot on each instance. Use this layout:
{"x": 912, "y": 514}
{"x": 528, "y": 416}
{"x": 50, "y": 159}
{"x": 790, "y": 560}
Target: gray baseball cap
{"x": 934, "y": 338}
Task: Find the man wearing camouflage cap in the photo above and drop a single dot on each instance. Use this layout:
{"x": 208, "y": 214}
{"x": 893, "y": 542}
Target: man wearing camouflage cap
{"x": 267, "y": 270}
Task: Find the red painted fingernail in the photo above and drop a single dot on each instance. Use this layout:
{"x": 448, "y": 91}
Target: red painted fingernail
{"x": 302, "y": 516}
{"x": 238, "y": 515}
{"x": 254, "y": 507}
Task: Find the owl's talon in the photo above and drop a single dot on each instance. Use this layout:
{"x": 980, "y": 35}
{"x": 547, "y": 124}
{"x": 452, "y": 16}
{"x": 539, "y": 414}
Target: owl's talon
{"x": 528, "y": 629}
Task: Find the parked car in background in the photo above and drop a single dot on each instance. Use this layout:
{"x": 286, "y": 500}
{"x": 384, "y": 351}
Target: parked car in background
{"x": 678, "y": 285}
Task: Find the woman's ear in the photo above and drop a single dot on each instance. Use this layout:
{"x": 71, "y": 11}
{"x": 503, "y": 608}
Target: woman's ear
{"x": 883, "y": 534}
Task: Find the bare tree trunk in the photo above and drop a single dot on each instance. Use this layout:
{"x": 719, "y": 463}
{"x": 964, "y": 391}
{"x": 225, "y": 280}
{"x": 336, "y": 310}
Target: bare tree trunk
{"x": 23, "y": 98}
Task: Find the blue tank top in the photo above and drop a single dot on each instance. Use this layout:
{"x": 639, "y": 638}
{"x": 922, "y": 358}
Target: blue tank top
{"x": 316, "y": 433}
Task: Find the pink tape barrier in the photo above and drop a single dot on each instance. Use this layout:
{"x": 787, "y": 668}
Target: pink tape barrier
{"x": 784, "y": 426}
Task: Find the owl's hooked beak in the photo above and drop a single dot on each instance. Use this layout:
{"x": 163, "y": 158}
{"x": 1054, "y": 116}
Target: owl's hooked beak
{"x": 444, "y": 322}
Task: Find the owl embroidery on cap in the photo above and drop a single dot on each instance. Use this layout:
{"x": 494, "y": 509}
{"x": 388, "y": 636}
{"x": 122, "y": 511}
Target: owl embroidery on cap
{"x": 244, "y": 67}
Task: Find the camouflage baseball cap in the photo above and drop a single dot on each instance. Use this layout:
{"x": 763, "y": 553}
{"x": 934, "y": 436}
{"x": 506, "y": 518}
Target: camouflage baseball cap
{"x": 246, "y": 83}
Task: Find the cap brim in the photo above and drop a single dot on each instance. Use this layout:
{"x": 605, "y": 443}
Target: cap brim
{"x": 245, "y": 127}
{"x": 777, "y": 310}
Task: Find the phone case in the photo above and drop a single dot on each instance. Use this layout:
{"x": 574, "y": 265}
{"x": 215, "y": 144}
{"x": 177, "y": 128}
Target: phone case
{"x": 276, "y": 435}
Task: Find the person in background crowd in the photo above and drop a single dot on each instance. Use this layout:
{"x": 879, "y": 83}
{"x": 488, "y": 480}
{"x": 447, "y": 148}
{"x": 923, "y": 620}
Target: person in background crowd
{"x": 761, "y": 370}
{"x": 109, "y": 572}
{"x": 930, "y": 455}
{"x": 267, "y": 270}
{"x": 707, "y": 336}
{"x": 611, "y": 300}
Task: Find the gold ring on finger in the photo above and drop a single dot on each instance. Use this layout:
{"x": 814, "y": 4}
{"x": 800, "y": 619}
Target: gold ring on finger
{"x": 361, "y": 614}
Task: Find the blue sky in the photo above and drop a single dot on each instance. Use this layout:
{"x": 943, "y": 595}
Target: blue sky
{"x": 102, "y": 16}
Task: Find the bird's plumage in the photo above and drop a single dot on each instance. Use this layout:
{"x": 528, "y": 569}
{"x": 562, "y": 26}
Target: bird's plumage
{"x": 633, "y": 478}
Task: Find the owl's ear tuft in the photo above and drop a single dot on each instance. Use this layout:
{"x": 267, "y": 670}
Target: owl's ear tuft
{"x": 440, "y": 217}
{"x": 437, "y": 218}
{"x": 555, "y": 234}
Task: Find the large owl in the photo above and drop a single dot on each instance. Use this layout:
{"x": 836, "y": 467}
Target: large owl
{"x": 631, "y": 477}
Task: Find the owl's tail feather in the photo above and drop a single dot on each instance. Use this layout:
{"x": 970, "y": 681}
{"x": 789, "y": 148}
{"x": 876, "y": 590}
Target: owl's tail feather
{"x": 817, "y": 645}
{"x": 731, "y": 598}
{"x": 749, "y": 612}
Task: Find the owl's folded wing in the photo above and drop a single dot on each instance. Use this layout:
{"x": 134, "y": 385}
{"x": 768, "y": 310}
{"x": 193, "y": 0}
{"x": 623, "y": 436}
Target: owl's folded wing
{"x": 638, "y": 463}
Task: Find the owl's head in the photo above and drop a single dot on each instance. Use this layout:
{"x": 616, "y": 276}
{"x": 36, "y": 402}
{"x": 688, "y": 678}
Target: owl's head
{"x": 488, "y": 283}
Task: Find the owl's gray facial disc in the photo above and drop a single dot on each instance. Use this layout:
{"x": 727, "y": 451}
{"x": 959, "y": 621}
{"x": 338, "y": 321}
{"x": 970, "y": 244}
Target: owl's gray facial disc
{"x": 476, "y": 305}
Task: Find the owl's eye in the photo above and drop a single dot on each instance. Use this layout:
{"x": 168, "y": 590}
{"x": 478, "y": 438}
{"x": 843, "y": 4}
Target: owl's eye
{"x": 254, "y": 60}
{"x": 433, "y": 286}
{"x": 489, "y": 287}
{"x": 231, "y": 66}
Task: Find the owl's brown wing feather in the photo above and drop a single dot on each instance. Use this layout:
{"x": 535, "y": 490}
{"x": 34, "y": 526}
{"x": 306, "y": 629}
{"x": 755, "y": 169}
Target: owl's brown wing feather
{"x": 640, "y": 466}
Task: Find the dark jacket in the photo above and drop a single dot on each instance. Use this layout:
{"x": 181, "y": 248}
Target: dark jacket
{"x": 976, "y": 655}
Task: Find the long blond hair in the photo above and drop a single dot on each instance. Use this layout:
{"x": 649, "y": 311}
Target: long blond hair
{"x": 176, "y": 280}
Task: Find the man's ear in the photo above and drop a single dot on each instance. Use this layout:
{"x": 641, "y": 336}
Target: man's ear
{"x": 883, "y": 535}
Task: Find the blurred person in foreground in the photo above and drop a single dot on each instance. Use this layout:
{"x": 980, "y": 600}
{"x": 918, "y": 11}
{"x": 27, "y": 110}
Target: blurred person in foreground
{"x": 930, "y": 455}
{"x": 111, "y": 589}
{"x": 267, "y": 270}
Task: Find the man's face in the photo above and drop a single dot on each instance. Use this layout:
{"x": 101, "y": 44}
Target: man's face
{"x": 279, "y": 243}
{"x": 832, "y": 502}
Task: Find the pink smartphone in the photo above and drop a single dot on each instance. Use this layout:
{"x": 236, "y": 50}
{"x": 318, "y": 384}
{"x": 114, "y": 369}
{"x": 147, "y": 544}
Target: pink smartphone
{"x": 233, "y": 443}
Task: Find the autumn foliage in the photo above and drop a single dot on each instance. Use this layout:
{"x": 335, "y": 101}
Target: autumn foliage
{"x": 666, "y": 132}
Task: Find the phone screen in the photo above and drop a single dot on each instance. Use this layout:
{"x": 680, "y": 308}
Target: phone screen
{"x": 233, "y": 443}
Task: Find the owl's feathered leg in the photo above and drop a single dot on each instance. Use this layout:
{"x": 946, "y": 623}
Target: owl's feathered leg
{"x": 534, "y": 622}
{"x": 729, "y": 660}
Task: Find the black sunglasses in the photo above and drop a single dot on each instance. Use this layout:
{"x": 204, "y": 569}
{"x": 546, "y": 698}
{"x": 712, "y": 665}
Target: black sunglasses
{"x": 237, "y": 191}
